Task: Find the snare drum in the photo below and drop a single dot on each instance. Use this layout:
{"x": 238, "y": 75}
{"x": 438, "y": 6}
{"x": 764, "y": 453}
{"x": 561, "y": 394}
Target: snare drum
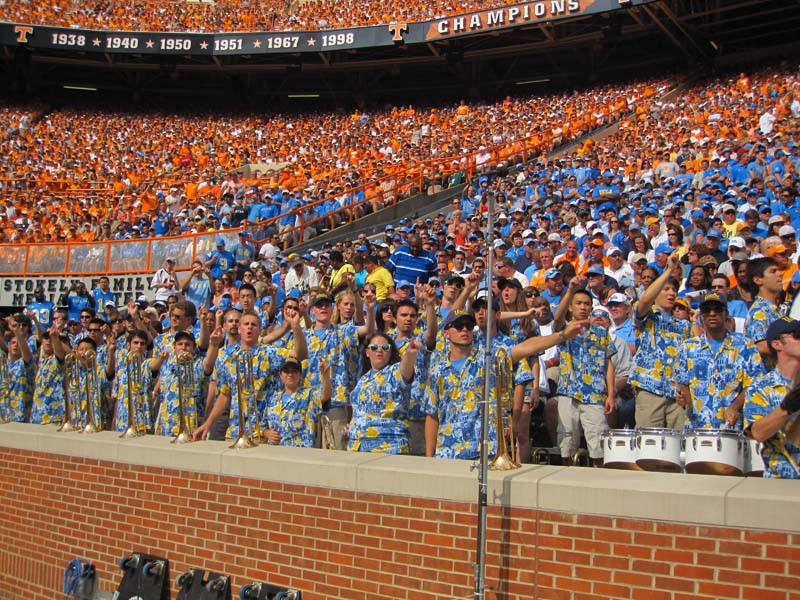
{"x": 619, "y": 449}
{"x": 715, "y": 452}
{"x": 753, "y": 461}
{"x": 659, "y": 449}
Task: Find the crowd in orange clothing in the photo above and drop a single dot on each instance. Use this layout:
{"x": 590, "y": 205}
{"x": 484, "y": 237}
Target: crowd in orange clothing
{"x": 119, "y": 165}
{"x": 232, "y": 15}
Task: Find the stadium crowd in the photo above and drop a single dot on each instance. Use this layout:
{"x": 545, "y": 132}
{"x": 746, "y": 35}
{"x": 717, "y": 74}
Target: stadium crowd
{"x": 645, "y": 280}
{"x": 154, "y": 174}
{"x": 230, "y": 15}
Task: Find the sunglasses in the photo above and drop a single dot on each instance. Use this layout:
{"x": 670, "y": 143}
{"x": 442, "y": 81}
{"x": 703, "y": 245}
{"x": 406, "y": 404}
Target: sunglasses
{"x": 531, "y": 295}
{"x": 461, "y": 326}
{"x": 94, "y": 330}
{"x": 381, "y": 347}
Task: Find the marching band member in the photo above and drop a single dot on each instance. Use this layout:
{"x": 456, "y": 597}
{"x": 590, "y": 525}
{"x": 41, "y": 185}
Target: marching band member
{"x": 265, "y": 362}
{"x": 170, "y": 383}
{"x": 380, "y": 399}
{"x": 293, "y": 412}
{"x": 126, "y": 360}
{"x": 19, "y": 371}
{"x": 772, "y": 405}
{"x": 48, "y": 393}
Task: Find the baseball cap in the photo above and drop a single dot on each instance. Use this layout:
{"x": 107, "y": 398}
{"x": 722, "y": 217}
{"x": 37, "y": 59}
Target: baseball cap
{"x": 453, "y": 279}
{"x": 291, "y": 364}
{"x": 595, "y": 270}
{"x": 220, "y": 240}
{"x": 499, "y": 243}
{"x": 597, "y": 242}
{"x": 777, "y": 249}
{"x": 618, "y": 299}
{"x": 714, "y": 298}
{"x": 613, "y": 250}
{"x": 552, "y": 273}
{"x": 142, "y": 300}
{"x": 403, "y": 283}
{"x": 738, "y": 242}
{"x": 714, "y": 233}
{"x": 322, "y": 299}
{"x": 457, "y": 315}
{"x": 111, "y": 303}
{"x": 652, "y": 221}
{"x": 554, "y": 237}
{"x": 664, "y": 249}
{"x": 638, "y": 257}
{"x": 784, "y": 230}
{"x": 780, "y": 327}
{"x": 504, "y": 282}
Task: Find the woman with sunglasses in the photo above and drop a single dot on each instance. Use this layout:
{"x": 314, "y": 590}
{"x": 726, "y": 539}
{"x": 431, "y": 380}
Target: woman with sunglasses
{"x": 384, "y": 317}
{"x": 380, "y": 398}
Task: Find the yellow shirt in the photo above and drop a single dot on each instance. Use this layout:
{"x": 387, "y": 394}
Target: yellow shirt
{"x": 382, "y": 279}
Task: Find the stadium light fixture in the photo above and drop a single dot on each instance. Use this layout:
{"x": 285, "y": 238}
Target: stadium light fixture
{"x": 528, "y": 81}
{"x": 80, "y": 88}
{"x": 303, "y": 96}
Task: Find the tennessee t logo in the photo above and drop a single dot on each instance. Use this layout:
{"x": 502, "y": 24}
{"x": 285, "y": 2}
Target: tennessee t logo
{"x": 397, "y": 30}
{"x": 22, "y": 33}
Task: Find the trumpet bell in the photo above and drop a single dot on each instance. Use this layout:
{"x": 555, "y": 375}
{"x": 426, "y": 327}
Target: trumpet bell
{"x": 242, "y": 442}
{"x": 503, "y": 463}
{"x": 182, "y": 438}
{"x": 130, "y": 432}
{"x": 90, "y": 428}
{"x": 66, "y": 426}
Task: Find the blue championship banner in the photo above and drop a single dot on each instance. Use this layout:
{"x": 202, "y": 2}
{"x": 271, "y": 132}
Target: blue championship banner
{"x": 194, "y": 44}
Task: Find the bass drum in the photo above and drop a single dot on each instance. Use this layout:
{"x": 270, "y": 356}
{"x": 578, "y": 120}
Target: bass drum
{"x": 715, "y": 452}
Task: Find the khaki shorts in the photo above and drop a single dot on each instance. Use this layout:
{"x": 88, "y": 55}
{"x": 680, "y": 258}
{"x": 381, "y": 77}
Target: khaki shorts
{"x": 658, "y": 411}
{"x": 574, "y": 417}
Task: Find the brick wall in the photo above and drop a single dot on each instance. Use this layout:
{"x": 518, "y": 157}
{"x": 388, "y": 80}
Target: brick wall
{"x": 335, "y": 544}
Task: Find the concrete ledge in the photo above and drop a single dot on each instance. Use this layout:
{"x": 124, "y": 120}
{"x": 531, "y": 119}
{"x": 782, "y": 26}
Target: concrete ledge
{"x": 700, "y": 499}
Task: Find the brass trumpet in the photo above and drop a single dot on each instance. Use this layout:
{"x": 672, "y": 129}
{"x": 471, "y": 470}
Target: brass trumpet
{"x": 504, "y": 381}
{"x": 133, "y": 369}
{"x": 326, "y": 430}
{"x": 5, "y": 405}
{"x": 72, "y": 386}
{"x": 186, "y": 388}
{"x": 246, "y": 401}
{"x": 92, "y": 391}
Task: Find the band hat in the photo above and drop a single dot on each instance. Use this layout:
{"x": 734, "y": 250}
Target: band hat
{"x": 457, "y": 315}
{"x": 781, "y": 327}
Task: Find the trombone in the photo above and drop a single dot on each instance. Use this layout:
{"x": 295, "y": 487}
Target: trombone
{"x": 92, "y": 391}
{"x": 186, "y": 390}
{"x": 326, "y": 427}
{"x": 133, "y": 369}
{"x": 72, "y": 386}
{"x": 245, "y": 399}
{"x": 504, "y": 382}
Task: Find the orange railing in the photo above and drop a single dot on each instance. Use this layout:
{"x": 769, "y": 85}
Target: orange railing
{"x": 121, "y": 257}
{"x": 117, "y": 257}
